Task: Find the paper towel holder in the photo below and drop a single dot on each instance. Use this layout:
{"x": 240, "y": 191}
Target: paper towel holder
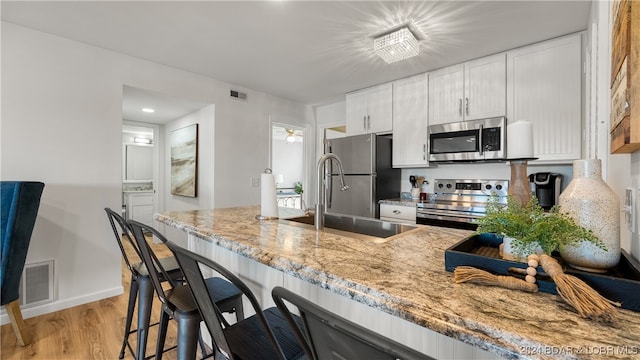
{"x": 259, "y": 216}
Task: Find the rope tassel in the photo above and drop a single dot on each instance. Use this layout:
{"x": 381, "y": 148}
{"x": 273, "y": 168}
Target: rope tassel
{"x": 470, "y": 274}
{"x": 587, "y": 302}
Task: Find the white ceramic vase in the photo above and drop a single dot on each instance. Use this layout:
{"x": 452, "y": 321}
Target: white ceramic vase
{"x": 507, "y": 253}
{"x": 593, "y": 205}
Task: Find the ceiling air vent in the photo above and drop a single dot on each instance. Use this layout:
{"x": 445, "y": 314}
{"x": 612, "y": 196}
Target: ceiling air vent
{"x": 238, "y": 95}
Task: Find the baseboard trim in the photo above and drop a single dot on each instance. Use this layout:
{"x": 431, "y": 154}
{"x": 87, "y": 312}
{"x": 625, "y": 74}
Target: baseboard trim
{"x": 63, "y": 304}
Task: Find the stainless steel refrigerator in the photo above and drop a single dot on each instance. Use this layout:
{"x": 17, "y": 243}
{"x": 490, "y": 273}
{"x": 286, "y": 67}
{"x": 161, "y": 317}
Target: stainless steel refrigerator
{"x": 366, "y": 160}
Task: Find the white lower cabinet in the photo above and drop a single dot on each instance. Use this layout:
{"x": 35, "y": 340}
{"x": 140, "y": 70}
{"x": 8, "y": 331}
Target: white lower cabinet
{"x": 140, "y": 206}
{"x": 261, "y": 279}
{"x": 258, "y": 277}
{"x": 398, "y": 213}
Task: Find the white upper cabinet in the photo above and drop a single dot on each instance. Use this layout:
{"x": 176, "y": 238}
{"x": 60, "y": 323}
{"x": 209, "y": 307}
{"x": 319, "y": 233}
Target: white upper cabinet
{"x": 446, "y": 87}
{"x": 370, "y": 110}
{"x": 473, "y": 90}
{"x": 544, "y": 86}
{"x": 410, "y": 122}
{"x": 485, "y": 84}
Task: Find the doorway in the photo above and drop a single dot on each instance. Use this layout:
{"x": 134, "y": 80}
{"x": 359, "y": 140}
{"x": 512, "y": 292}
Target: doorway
{"x": 139, "y": 171}
{"x": 288, "y": 164}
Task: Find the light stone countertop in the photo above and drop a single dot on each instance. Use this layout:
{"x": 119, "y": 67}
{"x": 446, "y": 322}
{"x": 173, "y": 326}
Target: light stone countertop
{"x": 405, "y": 277}
{"x": 401, "y": 202}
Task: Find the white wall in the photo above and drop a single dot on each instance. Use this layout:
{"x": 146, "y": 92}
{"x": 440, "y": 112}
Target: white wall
{"x": 62, "y": 124}
{"x": 498, "y": 171}
{"x": 621, "y": 171}
{"x": 205, "y": 118}
{"x": 242, "y": 137}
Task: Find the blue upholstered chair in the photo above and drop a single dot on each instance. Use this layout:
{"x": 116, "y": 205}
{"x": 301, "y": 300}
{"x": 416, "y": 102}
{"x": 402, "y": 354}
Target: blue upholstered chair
{"x": 20, "y": 201}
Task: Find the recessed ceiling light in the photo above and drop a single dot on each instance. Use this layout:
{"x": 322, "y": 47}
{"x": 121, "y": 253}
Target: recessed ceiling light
{"x": 148, "y": 110}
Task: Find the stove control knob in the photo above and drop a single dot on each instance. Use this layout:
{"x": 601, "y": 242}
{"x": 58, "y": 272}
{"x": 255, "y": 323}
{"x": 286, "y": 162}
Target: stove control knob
{"x": 448, "y": 186}
{"x": 440, "y": 186}
{"x": 498, "y": 187}
{"x": 488, "y": 187}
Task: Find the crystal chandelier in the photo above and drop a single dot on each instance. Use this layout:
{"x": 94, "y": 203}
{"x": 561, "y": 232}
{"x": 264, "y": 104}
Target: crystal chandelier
{"x": 397, "y": 45}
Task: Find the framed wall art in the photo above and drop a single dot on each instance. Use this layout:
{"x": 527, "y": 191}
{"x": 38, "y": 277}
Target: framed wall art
{"x": 184, "y": 161}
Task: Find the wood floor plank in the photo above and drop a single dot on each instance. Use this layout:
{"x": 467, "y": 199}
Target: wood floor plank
{"x": 89, "y": 331}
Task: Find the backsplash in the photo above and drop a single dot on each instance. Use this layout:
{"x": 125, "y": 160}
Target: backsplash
{"x": 497, "y": 171}
{"x": 137, "y": 186}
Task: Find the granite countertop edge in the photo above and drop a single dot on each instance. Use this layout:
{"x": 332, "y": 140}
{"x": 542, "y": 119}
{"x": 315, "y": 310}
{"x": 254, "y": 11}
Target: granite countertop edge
{"x": 458, "y": 318}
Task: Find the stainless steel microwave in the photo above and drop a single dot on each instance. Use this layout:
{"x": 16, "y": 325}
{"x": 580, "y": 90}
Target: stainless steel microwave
{"x": 473, "y": 140}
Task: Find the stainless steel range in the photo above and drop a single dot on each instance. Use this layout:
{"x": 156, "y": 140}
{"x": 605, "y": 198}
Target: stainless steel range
{"x": 457, "y": 202}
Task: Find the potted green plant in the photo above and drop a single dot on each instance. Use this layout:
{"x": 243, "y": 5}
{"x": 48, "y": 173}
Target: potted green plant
{"x": 298, "y": 188}
{"x": 532, "y": 230}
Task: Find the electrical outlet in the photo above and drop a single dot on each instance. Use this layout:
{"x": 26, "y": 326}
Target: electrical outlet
{"x": 629, "y": 209}
{"x": 254, "y": 182}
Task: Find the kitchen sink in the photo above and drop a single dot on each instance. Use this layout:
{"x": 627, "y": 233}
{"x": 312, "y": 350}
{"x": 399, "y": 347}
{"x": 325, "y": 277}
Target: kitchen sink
{"x": 356, "y": 225}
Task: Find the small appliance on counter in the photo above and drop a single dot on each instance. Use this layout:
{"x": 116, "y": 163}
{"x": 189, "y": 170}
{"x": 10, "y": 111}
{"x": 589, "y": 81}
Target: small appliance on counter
{"x": 546, "y": 186}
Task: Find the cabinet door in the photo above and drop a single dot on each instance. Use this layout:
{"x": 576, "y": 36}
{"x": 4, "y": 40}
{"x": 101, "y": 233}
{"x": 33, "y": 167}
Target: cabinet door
{"x": 410, "y": 122}
{"x": 446, "y": 95}
{"x": 357, "y": 113}
{"x": 485, "y": 83}
{"x": 544, "y": 85}
{"x": 140, "y": 208}
{"x": 379, "y": 109}
{"x": 398, "y": 213}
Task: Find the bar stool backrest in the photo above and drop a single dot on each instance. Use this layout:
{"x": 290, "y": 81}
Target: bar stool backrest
{"x": 192, "y": 265}
{"x": 121, "y": 231}
{"x": 326, "y": 335}
{"x": 157, "y": 273}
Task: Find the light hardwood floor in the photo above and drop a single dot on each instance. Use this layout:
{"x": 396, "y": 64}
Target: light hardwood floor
{"x": 90, "y": 331}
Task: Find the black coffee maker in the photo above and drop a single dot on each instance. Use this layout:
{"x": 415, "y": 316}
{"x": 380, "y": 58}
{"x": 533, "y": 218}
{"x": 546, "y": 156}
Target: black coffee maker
{"x": 546, "y": 186}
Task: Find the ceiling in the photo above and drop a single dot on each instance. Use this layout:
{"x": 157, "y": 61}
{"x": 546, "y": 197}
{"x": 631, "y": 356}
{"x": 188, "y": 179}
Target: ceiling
{"x": 309, "y": 51}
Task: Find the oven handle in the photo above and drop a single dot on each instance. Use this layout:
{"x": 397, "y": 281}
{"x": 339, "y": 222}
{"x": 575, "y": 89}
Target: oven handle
{"x": 446, "y": 216}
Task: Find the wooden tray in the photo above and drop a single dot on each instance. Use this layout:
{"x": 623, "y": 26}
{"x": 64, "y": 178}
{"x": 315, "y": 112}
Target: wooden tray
{"x": 622, "y": 283}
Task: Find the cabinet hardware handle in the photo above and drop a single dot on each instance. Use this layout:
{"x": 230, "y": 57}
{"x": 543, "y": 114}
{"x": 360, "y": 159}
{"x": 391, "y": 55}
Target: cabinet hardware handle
{"x": 364, "y": 122}
{"x": 466, "y": 105}
{"x": 369, "y": 122}
{"x": 480, "y": 144}
{"x": 396, "y": 211}
{"x": 424, "y": 151}
{"x": 460, "y": 106}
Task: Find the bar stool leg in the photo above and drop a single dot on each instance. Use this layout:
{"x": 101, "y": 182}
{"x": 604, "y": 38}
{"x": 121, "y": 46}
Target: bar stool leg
{"x": 145, "y": 303}
{"x": 133, "y": 294}
{"x": 188, "y": 332}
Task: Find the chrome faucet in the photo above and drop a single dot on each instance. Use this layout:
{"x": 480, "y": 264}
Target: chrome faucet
{"x": 319, "y": 215}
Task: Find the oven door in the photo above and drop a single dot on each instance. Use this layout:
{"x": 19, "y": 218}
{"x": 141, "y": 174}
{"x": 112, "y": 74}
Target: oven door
{"x": 460, "y": 145}
{"x": 450, "y": 219}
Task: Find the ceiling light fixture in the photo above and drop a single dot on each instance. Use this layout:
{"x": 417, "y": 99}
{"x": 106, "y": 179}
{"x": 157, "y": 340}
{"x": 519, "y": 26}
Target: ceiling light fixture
{"x": 397, "y": 45}
{"x": 290, "y": 136}
{"x": 148, "y": 110}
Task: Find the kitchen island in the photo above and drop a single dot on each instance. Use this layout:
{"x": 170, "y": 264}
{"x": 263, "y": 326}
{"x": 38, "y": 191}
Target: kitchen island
{"x": 399, "y": 287}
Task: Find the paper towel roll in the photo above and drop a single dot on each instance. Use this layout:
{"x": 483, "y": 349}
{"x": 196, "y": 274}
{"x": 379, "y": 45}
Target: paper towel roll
{"x": 520, "y": 140}
{"x": 268, "y": 202}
